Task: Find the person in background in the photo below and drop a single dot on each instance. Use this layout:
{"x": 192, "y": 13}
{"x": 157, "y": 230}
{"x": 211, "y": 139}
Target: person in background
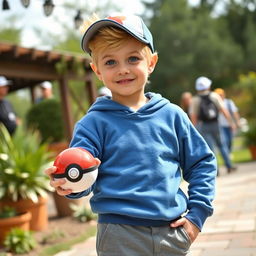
{"x": 146, "y": 146}
{"x": 185, "y": 101}
{"x": 104, "y": 91}
{"x": 46, "y": 91}
{"x": 209, "y": 126}
{"x": 7, "y": 115}
{"x": 226, "y": 129}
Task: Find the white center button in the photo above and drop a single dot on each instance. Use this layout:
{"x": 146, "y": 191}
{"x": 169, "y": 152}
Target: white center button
{"x": 73, "y": 173}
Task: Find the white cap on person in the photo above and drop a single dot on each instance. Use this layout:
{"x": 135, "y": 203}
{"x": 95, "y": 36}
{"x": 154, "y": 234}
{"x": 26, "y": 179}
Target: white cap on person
{"x": 46, "y": 85}
{"x": 203, "y": 83}
{"x": 104, "y": 91}
{"x": 3, "y": 81}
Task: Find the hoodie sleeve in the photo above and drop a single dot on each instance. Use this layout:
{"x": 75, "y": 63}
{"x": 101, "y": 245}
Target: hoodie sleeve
{"x": 85, "y": 137}
{"x": 199, "y": 168}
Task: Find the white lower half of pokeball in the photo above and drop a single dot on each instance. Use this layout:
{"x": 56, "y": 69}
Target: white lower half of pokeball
{"x": 87, "y": 180}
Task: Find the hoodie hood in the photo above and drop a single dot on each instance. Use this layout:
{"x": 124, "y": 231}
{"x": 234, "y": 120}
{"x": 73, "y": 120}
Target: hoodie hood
{"x": 156, "y": 102}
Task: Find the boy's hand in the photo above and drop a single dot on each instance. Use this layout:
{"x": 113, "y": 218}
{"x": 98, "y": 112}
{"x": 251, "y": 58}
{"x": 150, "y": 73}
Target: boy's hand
{"x": 191, "y": 229}
{"x": 57, "y": 183}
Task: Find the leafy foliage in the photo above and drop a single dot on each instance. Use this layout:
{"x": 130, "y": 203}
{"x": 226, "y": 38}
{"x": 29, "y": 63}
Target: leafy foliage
{"x": 250, "y": 135}
{"x": 7, "y": 212}
{"x": 192, "y": 43}
{"x": 81, "y": 213}
{"x": 53, "y": 237}
{"x": 246, "y": 87}
{"x": 46, "y": 117}
{"x": 19, "y": 241}
{"x": 22, "y": 161}
{"x": 9, "y": 30}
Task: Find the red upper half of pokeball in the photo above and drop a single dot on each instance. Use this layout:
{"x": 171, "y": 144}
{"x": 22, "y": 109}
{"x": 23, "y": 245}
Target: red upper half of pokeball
{"x": 78, "y": 156}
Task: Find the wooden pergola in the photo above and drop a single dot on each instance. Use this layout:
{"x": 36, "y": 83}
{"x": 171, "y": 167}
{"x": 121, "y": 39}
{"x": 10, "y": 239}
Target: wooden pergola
{"x": 28, "y": 67}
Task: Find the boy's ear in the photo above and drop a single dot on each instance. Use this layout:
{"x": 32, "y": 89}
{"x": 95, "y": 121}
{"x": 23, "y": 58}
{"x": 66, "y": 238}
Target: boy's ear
{"x": 152, "y": 63}
{"x": 95, "y": 70}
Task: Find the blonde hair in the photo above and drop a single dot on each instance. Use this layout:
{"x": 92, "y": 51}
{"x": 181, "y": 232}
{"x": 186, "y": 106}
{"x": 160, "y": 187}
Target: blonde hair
{"x": 220, "y": 91}
{"x": 110, "y": 38}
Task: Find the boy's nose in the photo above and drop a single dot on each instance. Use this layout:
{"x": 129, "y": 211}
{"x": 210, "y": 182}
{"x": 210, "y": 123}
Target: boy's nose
{"x": 123, "y": 70}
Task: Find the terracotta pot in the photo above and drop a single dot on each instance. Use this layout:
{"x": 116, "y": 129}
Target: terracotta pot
{"x": 6, "y": 224}
{"x": 253, "y": 152}
{"x": 57, "y": 147}
{"x": 62, "y": 204}
{"x": 39, "y": 213}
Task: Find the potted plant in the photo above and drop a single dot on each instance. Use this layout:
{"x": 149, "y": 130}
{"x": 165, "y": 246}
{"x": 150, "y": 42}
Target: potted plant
{"x": 38, "y": 118}
{"x": 250, "y": 139}
{"x": 23, "y": 184}
{"x": 19, "y": 241}
{"x": 10, "y": 218}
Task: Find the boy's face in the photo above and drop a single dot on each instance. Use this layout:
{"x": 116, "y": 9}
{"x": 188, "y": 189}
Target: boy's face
{"x": 125, "y": 70}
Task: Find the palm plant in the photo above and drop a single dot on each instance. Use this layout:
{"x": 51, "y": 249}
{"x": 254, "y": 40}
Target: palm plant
{"x": 22, "y": 161}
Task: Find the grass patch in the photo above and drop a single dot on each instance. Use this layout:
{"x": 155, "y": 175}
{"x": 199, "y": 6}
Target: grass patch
{"x": 52, "y": 250}
{"x": 240, "y": 154}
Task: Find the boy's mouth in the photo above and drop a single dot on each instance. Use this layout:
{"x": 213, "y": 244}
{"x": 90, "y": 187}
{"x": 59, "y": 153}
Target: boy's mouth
{"x": 125, "y": 81}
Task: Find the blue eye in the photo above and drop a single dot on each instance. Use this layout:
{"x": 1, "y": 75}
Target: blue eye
{"x": 133, "y": 59}
{"x": 110, "y": 62}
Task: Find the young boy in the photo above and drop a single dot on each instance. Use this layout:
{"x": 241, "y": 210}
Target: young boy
{"x": 145, "y": 145}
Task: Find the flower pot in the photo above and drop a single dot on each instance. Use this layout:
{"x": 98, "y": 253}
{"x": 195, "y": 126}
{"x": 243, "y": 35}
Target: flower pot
{"x": 20, "y": 221}
{"x": 253, "y": 152}
{"x": 39, "y": 213}
{"x": 62, "y": 204}
{"x": 57, "y": 147}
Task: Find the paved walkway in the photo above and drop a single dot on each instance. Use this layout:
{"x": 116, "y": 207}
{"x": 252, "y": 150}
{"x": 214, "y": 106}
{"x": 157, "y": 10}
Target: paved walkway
{"x": 231, "y": 231}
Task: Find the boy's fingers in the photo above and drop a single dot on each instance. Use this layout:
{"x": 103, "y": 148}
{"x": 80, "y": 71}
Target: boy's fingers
{"x": 57, "y": 183}
{"x": 177, "y": 223}
{"x": 63, "y": 192}
{"x": 49, "y": 171}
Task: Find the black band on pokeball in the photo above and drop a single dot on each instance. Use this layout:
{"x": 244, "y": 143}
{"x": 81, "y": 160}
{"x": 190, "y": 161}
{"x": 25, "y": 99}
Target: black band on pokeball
{"x": 81, "y": 172}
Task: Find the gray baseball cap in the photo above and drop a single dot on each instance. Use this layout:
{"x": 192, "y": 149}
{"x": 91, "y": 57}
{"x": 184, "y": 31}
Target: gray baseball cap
{"x": 131, "y": 24}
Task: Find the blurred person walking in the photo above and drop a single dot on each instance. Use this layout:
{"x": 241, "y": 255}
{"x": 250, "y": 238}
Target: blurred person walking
{"x": 226, "y": 129}
{"x": 7, "y": 115}
{"x": 185, "y": 101}
{"x": 204, "y": 112}
{"x": 46, "y": 91}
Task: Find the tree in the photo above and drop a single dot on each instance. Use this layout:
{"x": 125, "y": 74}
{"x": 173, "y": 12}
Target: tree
{"x": 10, "y": 31}
{"x": 190, "y": 43}
{"x": 240, "y": 17}
{"x": 173, "y": 31}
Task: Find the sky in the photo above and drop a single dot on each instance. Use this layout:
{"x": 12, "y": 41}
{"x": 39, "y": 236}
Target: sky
{"x": 33, "y": 17}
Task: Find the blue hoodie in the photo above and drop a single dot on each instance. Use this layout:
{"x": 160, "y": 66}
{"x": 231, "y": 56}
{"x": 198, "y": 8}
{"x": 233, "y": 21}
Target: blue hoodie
{"x": 144, "y": 155}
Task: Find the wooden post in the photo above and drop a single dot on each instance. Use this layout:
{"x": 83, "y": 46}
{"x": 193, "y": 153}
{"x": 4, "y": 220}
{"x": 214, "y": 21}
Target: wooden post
{"x": 66, "y": 108}
{"x": 32, "y": 94}
{"x": 90, "y": 87}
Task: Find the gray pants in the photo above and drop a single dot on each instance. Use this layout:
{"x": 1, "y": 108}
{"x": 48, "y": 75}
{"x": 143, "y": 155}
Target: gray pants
{"x": 126, "y": 240}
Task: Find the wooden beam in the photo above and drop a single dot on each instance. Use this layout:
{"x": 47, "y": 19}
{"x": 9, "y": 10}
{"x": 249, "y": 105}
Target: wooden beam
{"x": 28, "y": 70}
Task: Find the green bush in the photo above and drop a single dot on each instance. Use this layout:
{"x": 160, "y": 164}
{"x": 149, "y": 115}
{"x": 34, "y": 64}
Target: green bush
{"x": 46, "y": 117}
{"x": 7, "y": 212}
{"x": 19, "y": 241}
{"x": 250, "y": 135}
{"x": 81, "y": 213}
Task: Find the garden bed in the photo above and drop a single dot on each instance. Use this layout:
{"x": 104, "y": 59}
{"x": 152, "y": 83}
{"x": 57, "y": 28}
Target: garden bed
{"x": 60, "y": 235}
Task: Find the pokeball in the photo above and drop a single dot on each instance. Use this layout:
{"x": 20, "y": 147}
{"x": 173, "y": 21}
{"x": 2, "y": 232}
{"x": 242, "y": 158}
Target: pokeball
{"x": 78, "y": 167}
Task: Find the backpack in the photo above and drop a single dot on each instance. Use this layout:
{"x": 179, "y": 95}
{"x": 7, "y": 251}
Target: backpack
{"x": 208, "y": 111}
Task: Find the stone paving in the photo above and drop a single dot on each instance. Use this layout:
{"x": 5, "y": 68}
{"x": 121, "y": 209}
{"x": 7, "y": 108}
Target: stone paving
{"x": 231, "y": 231}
